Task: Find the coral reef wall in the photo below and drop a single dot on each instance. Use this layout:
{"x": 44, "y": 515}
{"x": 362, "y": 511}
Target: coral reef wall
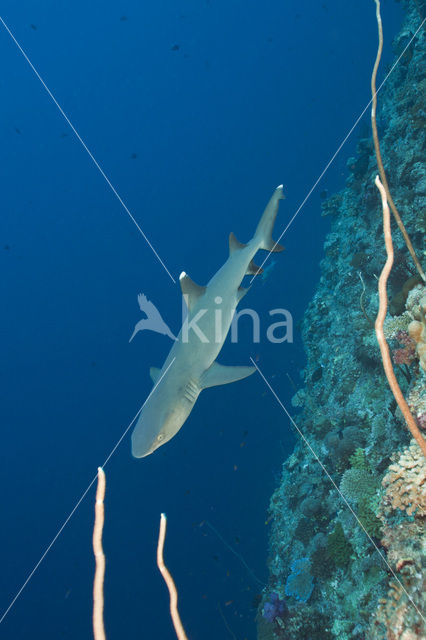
{"x": 330, "y": 577}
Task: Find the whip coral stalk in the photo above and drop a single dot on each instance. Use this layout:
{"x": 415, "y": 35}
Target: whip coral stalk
{"x": 180, "y": 632}
{"x": 383, "y": 306}
{"x": 98, "y": 583}
{"x": 377, "y": 147}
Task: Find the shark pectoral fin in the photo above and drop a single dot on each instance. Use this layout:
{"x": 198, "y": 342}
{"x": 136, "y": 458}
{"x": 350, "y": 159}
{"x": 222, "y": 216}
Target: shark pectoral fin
{"x": 234, "y": 244}
{"x": 154, "y": 372}
{"x": 190, "y": 291}
{"x": 218, "y": 374}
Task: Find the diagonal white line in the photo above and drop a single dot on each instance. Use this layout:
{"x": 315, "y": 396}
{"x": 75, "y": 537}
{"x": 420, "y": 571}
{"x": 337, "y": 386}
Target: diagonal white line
{"x": 85, "y": 147}
{"x": 336, "y": 487}
{"x": 335, "y": 154}
{"x": 80, "y": 500}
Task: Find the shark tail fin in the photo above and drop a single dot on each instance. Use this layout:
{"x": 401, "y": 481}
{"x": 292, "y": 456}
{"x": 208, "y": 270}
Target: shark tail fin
{"x": 264, "y": 228}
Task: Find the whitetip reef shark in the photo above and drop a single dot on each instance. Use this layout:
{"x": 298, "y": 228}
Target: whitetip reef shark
{"x": 191, "y": 364}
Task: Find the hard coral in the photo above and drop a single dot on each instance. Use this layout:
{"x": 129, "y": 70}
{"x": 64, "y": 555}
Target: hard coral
{"x": 405, "y": 483}
{"x": 416, "y": 305}
{"x": 357, "y": 483}
{"x": 417, "y": 402}
{"x": 398, "y": 616}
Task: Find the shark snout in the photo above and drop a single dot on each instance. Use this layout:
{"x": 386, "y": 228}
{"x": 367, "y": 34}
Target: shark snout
{"x": 157, "y": 426}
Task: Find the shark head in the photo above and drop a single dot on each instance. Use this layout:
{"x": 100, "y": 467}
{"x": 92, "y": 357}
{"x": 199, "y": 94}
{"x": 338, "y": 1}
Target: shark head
{"x": 158, "y": 423}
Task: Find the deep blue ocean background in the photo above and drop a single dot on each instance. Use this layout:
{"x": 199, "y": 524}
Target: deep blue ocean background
{"x": 196, "y": 111}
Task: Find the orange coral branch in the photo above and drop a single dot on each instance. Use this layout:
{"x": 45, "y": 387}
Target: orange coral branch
{"x": 377, "y": 147}
{"x": 180, "y": 632}
{"x": 98, "y": 583}
{"x": 381, "y": 315}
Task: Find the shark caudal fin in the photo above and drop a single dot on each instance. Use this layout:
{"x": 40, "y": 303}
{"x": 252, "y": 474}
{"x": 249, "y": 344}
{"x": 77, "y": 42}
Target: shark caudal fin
{"x": 264, "y": 229}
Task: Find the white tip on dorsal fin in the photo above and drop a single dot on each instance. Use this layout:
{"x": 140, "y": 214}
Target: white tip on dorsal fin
{"x": 218, "y": 374}
{"x": 154, "y": 372}
{"x": 190, "y": 290}
{"x": 234, "y": 244}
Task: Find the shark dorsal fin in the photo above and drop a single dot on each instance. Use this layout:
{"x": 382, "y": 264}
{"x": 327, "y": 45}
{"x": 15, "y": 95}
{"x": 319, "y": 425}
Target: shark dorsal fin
{"x": 190, "y": 290}
{"x": 234, "y": 244}
{"x": 218, "y": 374}
{"x": 154, "y": 372}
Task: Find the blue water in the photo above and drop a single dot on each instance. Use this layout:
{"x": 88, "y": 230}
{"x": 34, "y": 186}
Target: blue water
{"x": 195, "y": 111}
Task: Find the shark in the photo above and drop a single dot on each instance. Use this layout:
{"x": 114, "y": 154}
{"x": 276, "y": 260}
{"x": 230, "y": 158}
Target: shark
{"x": 191, "y": 365}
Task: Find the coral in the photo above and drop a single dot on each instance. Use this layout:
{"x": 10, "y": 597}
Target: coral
{"x": 274, "y": 608}
{"x": 421, "y": 420}
{"x": 357, "y": 483}
{"x": 306, "y": 623}
{"x": 305, "y": 530}
{"x": 343, "y": 444}
{"x": 322, "y": 565}
{"x": 300, "y": 582}
{"x": 417, "y": 402}
{"x": 397, "y": 304}
{"x": 393, "y": 325}
{"x": 265, "y": 629}
{"x": 398, "y": 616}
{"x": 416, "y": 302}
{"x": 358, "y": 460}
{"x": 339, "y": 549}
{"x": 368, "y": 518}
{"x": 345, "y": 408}
{"x": 407, "y": 354}
{"x": 417, "y": 331}
{"x": 311, "y": 506}
{"x": 402, "y": 510}
{"x": 405, "y": 483}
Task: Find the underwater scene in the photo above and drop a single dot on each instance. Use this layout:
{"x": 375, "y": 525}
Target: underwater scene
{"x": 213, "y": 320}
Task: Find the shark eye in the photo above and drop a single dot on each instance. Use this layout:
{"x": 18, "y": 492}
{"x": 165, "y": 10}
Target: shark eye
{"x": 160, "y": 437}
